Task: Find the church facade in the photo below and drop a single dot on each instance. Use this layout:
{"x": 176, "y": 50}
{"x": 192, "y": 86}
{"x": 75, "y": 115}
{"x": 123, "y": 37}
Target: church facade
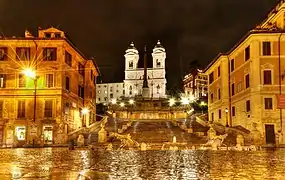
{"x": 133, "y": 83}
{"x": 155, "y": 75}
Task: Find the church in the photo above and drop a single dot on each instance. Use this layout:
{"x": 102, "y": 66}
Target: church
{"x": 133, "y": 83}
{"x": 155, "y": 76}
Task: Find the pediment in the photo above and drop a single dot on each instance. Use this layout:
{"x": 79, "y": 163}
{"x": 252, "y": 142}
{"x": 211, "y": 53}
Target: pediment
{"x": 267, "y": 66}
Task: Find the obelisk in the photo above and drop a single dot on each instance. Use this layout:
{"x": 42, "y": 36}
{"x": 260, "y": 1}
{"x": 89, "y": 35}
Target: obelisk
{"x": 145, "y": 89}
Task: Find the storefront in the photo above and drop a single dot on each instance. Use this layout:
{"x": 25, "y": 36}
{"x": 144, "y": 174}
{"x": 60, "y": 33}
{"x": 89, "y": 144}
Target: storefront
{"x": 48, "y": 134}
{"x": 20, "y": 133}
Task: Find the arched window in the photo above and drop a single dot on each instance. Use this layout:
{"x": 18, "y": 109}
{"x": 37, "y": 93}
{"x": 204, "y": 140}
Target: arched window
{"x": 158, "y": 64}
{"x": 131, "y": 64}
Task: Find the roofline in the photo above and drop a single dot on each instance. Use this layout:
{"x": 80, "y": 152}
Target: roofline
{"x": 96, "y": 66}
{"x": 38, "y": 38}
{"x": 272, "y": 11}
{"x": 256, "y": 31}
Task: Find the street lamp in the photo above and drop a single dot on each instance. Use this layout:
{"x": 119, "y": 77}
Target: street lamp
{"x": 171, "y": 102}
{"x": 84, "y": 111}
{"x": 185, "y": 101}
{"x": 131, "y": 101}
{"x": 114, "y": 101}
{"x": 227, "y": 111}
{"x": 28, "y": 72}
{"x": 122, "y": 104}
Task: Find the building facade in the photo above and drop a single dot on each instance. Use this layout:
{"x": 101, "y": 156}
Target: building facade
{"x": 156, "y": 75}
{"x": 46, "y": 103}
{"x": 246, "y": 83}
{"x": 108, "y": 91}
{"x": 195, "y": 84}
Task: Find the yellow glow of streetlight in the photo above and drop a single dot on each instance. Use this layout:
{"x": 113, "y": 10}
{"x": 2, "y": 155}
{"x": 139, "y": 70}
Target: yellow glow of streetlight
{"x": 114, "y": 101}
{"x": 203, "y": 103}
{"x": 122, "y": 104}
{"x": 85, "y": 110}
{"x": 131, "y": 101}
{"x": 191, "y": 98}
{"x": 29, "y": 73}
{"x": 226, "y": 110}
{"x": 171, "y": 102}
{"x": 185, "y": 101}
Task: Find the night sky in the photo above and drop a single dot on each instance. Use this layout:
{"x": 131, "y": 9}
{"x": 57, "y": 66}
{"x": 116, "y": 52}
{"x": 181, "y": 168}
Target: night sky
{"x": 188, "y": 29}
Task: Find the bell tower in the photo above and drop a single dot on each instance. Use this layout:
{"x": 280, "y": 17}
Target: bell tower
{"x": 131, "y": 57}
{"x": 158, "y": 56}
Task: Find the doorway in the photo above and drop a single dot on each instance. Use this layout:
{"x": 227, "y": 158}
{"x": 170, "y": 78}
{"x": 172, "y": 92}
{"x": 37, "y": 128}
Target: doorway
{"x": 48, "y": 134}
{"x": 269, "y": 134}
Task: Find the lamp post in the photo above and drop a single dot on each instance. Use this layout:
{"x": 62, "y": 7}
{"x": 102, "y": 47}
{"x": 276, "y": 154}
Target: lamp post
{"x": 131, "y": 101}
{"x": 32, "y": 74}
{"x": 84, "y": 112}
{"x": 227, "y": 111}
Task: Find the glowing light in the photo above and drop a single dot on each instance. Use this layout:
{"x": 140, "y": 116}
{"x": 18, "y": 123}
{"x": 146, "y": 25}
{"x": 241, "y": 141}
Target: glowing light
{"x": 136, "y": 91}
{"x": 171, "y": 102}
{"x": 122, "y": 104}
{"x": 203, "y": 103}
{"x": 85, "y": 111}
{"x": 114, "y": 101}
{"x": 185, "y": 101}
{"x": 191, "y": 98}
{"x": 131, "y": 101}
{"x": 29, "y": 73}
{"x": 226, "y": 110}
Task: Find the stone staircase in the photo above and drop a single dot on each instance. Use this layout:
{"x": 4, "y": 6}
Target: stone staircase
{"x": 162, "y": 131}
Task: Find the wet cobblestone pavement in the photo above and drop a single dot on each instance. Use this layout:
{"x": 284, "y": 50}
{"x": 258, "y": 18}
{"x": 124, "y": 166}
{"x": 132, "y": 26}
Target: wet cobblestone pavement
{"x": 60, "y": 163}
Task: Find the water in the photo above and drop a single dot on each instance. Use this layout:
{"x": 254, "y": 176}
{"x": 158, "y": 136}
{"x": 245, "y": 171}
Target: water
{"x": 60, "y": 163}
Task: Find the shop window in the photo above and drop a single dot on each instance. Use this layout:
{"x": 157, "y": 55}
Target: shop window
{"x": 21, "y": 133}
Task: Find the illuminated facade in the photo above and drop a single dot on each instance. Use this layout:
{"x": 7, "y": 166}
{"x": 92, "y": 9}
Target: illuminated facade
{"x": 244, "y": 83}
{"x": 156, "y": 75}
{"x": 195, "y": 84}
{"x": 108, "y": 91}
{"x": 64, "y": 83}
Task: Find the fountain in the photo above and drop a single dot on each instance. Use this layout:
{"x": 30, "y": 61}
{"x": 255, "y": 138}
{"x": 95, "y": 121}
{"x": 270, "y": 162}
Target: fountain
{"x": 216, "y": 141}
{"x": 126, "y": 141}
